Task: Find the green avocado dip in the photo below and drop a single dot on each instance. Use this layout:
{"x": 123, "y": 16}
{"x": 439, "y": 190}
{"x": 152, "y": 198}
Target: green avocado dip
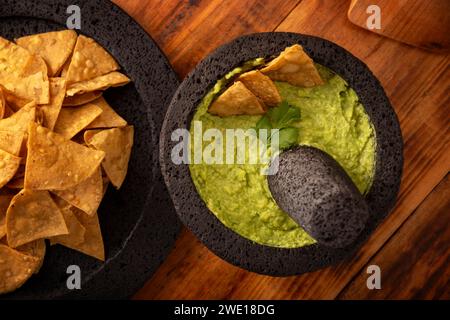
{"x": 332, "y": 119}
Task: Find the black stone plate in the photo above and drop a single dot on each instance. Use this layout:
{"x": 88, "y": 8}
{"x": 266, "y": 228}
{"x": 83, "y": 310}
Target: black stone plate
{"x": 138, "y": 223}
{"x": 193, "y": 211}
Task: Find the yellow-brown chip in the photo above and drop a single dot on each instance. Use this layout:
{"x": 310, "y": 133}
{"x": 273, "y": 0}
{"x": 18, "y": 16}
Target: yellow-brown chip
{"x": 108, "y": 119}
{"x": 17, "y": 182}
{"x": 117, "y": 144}
{"x": 33, "y": 87}
{"x": 16, "y": 268}
{"x": 51, "y": 110}
{"x": 87, "y": 195}
{"x": 33, "y": 215}
{"x": 93, "y": 241}
{"x": 262, "y": 87}
{"x": 80, "y": 99}
{"x": 237, "y": 100}
{"x": 13, "y": 59}
{"x": 36, "y": 65}
{"x": 55, "y": 163}
{"x": 76, "y": 230}
{"x": 5, "y": 200}
{"x": 13, "y": 102}
{"x": 11, "y": 141}
{"x": 89, "y": 60}
{"x": 113, "y": 79}
{"x": 294, "y": 66}
{"x": 54, "y": 47}
{"x": 73, "y": 120}
{"x": 9, "y": 164}
{"x": 34, "y": 249}
{"x": 2, "y": 103}
{"x": 20, "y": 120}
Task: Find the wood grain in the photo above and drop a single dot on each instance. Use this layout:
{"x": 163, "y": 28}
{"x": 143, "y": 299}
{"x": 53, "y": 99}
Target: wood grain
{"x": 416, "y": 81}
{"x": 415, "y": 262}
{"x": 188, "y": 30}
{"x": 424, "y": 24}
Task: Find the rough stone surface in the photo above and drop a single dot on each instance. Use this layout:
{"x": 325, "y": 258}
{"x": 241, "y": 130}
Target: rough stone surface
{"x": 193, "y": 211}
{"x": 138, "y": 222}
{"x": 319, "y": 195}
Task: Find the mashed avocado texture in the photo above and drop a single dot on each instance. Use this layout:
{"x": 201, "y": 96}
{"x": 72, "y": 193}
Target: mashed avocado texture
{"x": 332, "y": 119}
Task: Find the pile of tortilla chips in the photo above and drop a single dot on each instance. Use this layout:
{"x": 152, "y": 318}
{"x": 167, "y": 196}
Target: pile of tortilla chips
{"x": 61, "y": 144}
{"x": 254, "y": 91}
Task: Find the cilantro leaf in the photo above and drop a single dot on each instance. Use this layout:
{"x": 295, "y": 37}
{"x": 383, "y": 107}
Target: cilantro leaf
{"x": 288, "y": 137}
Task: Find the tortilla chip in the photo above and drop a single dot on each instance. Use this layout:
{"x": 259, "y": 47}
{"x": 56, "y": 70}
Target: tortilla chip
{"x": 20, "y": 120}
{"x": 9, "y": 164}
{"x": 14, "y": 103}
{"x": 236, "y": 100}
{"x": 54, "y": 163}
{"x": 33, "y": 87}
{"x": 80, "y": 99}
{"x": 54, "y": 47}
{"x": 93, "y": 241}
{"x": 33, "y": 215}
{"x": 34, "y": 249}
{"x": 113, "y": 79}
{"x": 77, "y": 231}
{"x": 117, "y": 144}
{"x": 89, "y": 60}
{"x": 65, "y": 68}
{"x": 294, "y": 66}
{"x": 11, "y": 141}
{"x": 2, "y": 103}
{"x": 13, "y": 59}
{"x": 108, "y": 119}
{"x": 36, "y": 65}
{"x": 87, "y": 195}
{"x": 73, "y": 120}
{"x": 262, "y": 87}
{"x": 5, "y": 200}
{"x": 17, "y": 182}
{"x": 16, "y": 268}
{"x": 51, "y": 110}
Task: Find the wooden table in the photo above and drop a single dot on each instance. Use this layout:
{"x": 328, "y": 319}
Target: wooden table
{"x": 412, "y": 245}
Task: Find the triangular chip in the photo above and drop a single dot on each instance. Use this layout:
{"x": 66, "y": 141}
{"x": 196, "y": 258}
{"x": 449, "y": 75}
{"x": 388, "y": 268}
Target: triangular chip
{"x": 117, "y": 144}
{"x": 55, "y": 163}
{"x": 11, "y": 141}
{"x": 87, "y": 195}
{"x": 51, "y": 110}
{"x": 80, "y": 99}
{"x": 113, "y": 79}
{"x": 108, "y": 119}
{"x": 16, "y": 268}
{"x": 33, "y": 87}
{"x": 93, "y": 240}
{"x": 13, "y": 102}
{"x": 237, "y": 100}
{"x": 20, "y": 120}
{"x": 13, "y": 58}
{"x": 262, "y": 87}
{"x": 9, "y": 164}
{"x": 33, "y": 215}
{"x": 2, "y": 103}
{"x": 76, "y": 230}
{"x": 36, "y": 65}
{"x": 5, "y": 200}
{"x": 73, "y": 120}
{"x": 35, "y": 249}
{"x": 294, "y": 66}
{"x": 89, "y": 60}
{"x": 54, "y": 47}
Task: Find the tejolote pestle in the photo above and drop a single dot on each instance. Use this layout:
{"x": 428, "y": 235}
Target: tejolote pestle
{"x": 318, "y": 194}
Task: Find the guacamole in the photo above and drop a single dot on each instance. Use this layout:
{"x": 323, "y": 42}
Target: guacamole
{"x": 332, "y": 119}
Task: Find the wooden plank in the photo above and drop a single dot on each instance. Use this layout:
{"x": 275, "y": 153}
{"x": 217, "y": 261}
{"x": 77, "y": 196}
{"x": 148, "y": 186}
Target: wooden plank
{"x": 417, "y": 84}
{"x": 188, "y": 30}
{"x": 415, "y": 263}
{"x": 424, "y": 24}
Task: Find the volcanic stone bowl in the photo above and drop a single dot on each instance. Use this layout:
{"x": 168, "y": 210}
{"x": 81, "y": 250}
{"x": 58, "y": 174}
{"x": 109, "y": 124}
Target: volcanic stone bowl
{"x": 138, "y": 222}
{"x": 223, "y": 241}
